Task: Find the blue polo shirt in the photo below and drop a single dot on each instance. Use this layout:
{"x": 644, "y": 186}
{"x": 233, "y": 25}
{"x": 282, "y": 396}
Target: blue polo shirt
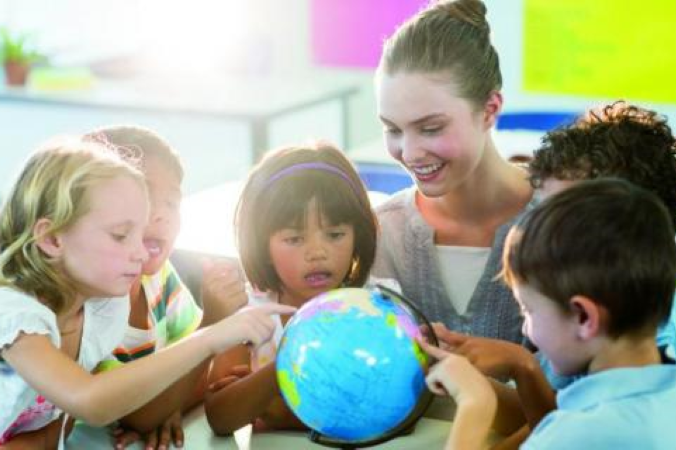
{"x": 626, "y": 408}
{"x": 666, "y": 334}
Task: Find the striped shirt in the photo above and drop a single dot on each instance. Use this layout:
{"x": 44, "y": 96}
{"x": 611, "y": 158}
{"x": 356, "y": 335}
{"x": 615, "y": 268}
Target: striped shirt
{"x": 172, "y": 315}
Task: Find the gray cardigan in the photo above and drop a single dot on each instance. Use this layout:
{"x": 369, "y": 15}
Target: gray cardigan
{"x": 406, "y": 253}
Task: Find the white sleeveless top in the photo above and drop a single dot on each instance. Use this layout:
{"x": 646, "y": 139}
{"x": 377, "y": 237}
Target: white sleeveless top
{"x": 461, "y": 268}
{"x": 23, "y": 409}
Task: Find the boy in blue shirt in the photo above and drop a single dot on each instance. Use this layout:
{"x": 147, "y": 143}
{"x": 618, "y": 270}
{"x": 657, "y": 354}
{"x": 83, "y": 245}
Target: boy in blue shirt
{"x": 593, "y": 270}
{"x": 616, "y": 140}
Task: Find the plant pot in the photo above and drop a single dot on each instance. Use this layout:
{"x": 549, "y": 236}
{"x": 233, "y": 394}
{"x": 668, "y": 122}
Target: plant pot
{"x": 16, "y": 73}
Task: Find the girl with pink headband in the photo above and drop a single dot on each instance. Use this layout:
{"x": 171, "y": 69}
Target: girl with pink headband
{"x": 304, "y": 225}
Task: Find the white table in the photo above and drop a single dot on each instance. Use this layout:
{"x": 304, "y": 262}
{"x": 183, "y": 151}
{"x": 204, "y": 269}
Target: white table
{"x": 429, "y": 434}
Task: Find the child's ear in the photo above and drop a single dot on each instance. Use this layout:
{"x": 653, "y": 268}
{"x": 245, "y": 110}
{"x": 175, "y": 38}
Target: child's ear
{"x": 492, "y": 108}
{"x": 48, "y": 242}
{"x": 590, "y": 317}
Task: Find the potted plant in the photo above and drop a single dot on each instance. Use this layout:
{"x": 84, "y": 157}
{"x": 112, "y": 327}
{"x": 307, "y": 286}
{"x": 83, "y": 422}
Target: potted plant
{"x": 17, "y": 56}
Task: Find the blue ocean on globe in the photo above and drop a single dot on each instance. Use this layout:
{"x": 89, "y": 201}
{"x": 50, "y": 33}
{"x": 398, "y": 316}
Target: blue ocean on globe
{"x": 349, "y": 365}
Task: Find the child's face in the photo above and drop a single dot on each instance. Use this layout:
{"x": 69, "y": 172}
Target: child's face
{"x": 436, "y": 135}
{"x": 164, "y": 190}
{"x": 550, "y": 329}
{"x": 312, "y": 260}
{"x": 103, "y": 251}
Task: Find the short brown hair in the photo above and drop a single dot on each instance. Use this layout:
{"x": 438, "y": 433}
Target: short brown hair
{"x": 448, "y": 37}
{"x": 616, "y": 140}
{"x": 268, "y": 205}
{"x": 606, "y": 239}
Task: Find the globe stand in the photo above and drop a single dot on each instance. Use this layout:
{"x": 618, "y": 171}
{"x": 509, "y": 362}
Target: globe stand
{"x": 408, "y": 425}
{"x": 326, "y": 441}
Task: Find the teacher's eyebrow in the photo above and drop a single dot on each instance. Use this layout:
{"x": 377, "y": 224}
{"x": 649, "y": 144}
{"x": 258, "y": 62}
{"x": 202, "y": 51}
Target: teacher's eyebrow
{"x": 428, "y": 117}
{"x": 422, "y": 119}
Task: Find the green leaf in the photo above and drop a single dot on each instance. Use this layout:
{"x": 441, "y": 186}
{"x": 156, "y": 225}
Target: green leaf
{"x": 17, "y": 47}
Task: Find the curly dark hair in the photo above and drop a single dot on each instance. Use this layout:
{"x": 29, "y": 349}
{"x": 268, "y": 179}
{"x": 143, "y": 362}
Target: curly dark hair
{"x": 617, "y": 140}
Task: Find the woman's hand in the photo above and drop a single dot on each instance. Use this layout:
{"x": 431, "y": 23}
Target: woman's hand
{"x": 493, "y": 357}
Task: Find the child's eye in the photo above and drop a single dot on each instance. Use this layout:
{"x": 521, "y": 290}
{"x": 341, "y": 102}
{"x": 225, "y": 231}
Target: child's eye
{"x": 118, "y": 237}
{"x": 293, "y": 240}
{"x": 392, "y": 131}
{"x": 335, "y": 235}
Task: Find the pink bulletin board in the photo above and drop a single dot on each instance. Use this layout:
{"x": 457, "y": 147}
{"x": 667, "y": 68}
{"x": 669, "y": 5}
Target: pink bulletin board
{"x": 350, "y": 33}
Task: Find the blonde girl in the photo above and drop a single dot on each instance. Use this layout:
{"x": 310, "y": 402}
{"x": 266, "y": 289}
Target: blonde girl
{"x": 70, "y": 248}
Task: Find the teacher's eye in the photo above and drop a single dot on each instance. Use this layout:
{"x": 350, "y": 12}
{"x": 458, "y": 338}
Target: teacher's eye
{"x": 431, "y": 130}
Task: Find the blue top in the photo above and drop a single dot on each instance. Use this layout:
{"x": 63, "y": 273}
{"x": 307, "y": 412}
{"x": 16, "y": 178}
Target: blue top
{"x": 627, "y": 408}
{"x": 666, "y": 334}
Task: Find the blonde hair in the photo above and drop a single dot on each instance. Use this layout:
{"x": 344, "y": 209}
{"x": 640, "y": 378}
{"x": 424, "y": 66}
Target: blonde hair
{"x": 54, "y": 185}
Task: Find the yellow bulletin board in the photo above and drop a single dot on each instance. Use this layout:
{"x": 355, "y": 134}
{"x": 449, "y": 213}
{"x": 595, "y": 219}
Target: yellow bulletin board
{"x": 601, "y": 48}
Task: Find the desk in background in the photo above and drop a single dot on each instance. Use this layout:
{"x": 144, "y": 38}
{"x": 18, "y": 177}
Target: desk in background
{"x": 219, "y": 125}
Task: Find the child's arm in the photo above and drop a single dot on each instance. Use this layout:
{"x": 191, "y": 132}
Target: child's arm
{"x": 535, "y": 393}
{"x": 514, "y": 440}
{"x": 509, "y": 416}
{"x": 506, "y": 360}
{"x": 102, "y": 398}
{"x": 247, "y": 398}
{"x": 222, "y": 295}
{"x": 278, "y": 416}
{"x": 242, "y": 400}
{"x": 476, "y": 402}
{"x": 180, "y": 396}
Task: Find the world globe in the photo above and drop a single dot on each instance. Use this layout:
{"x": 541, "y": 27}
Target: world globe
{"x": 349, "y": 365}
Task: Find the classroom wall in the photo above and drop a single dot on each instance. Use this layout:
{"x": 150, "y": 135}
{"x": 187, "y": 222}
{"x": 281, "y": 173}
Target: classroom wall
{"x": 506, "y": 19}
{"x": 264, "y": 45}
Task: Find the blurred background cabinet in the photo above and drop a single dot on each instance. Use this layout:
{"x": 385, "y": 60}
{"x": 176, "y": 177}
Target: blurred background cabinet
{"x": 220, "y": 127}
